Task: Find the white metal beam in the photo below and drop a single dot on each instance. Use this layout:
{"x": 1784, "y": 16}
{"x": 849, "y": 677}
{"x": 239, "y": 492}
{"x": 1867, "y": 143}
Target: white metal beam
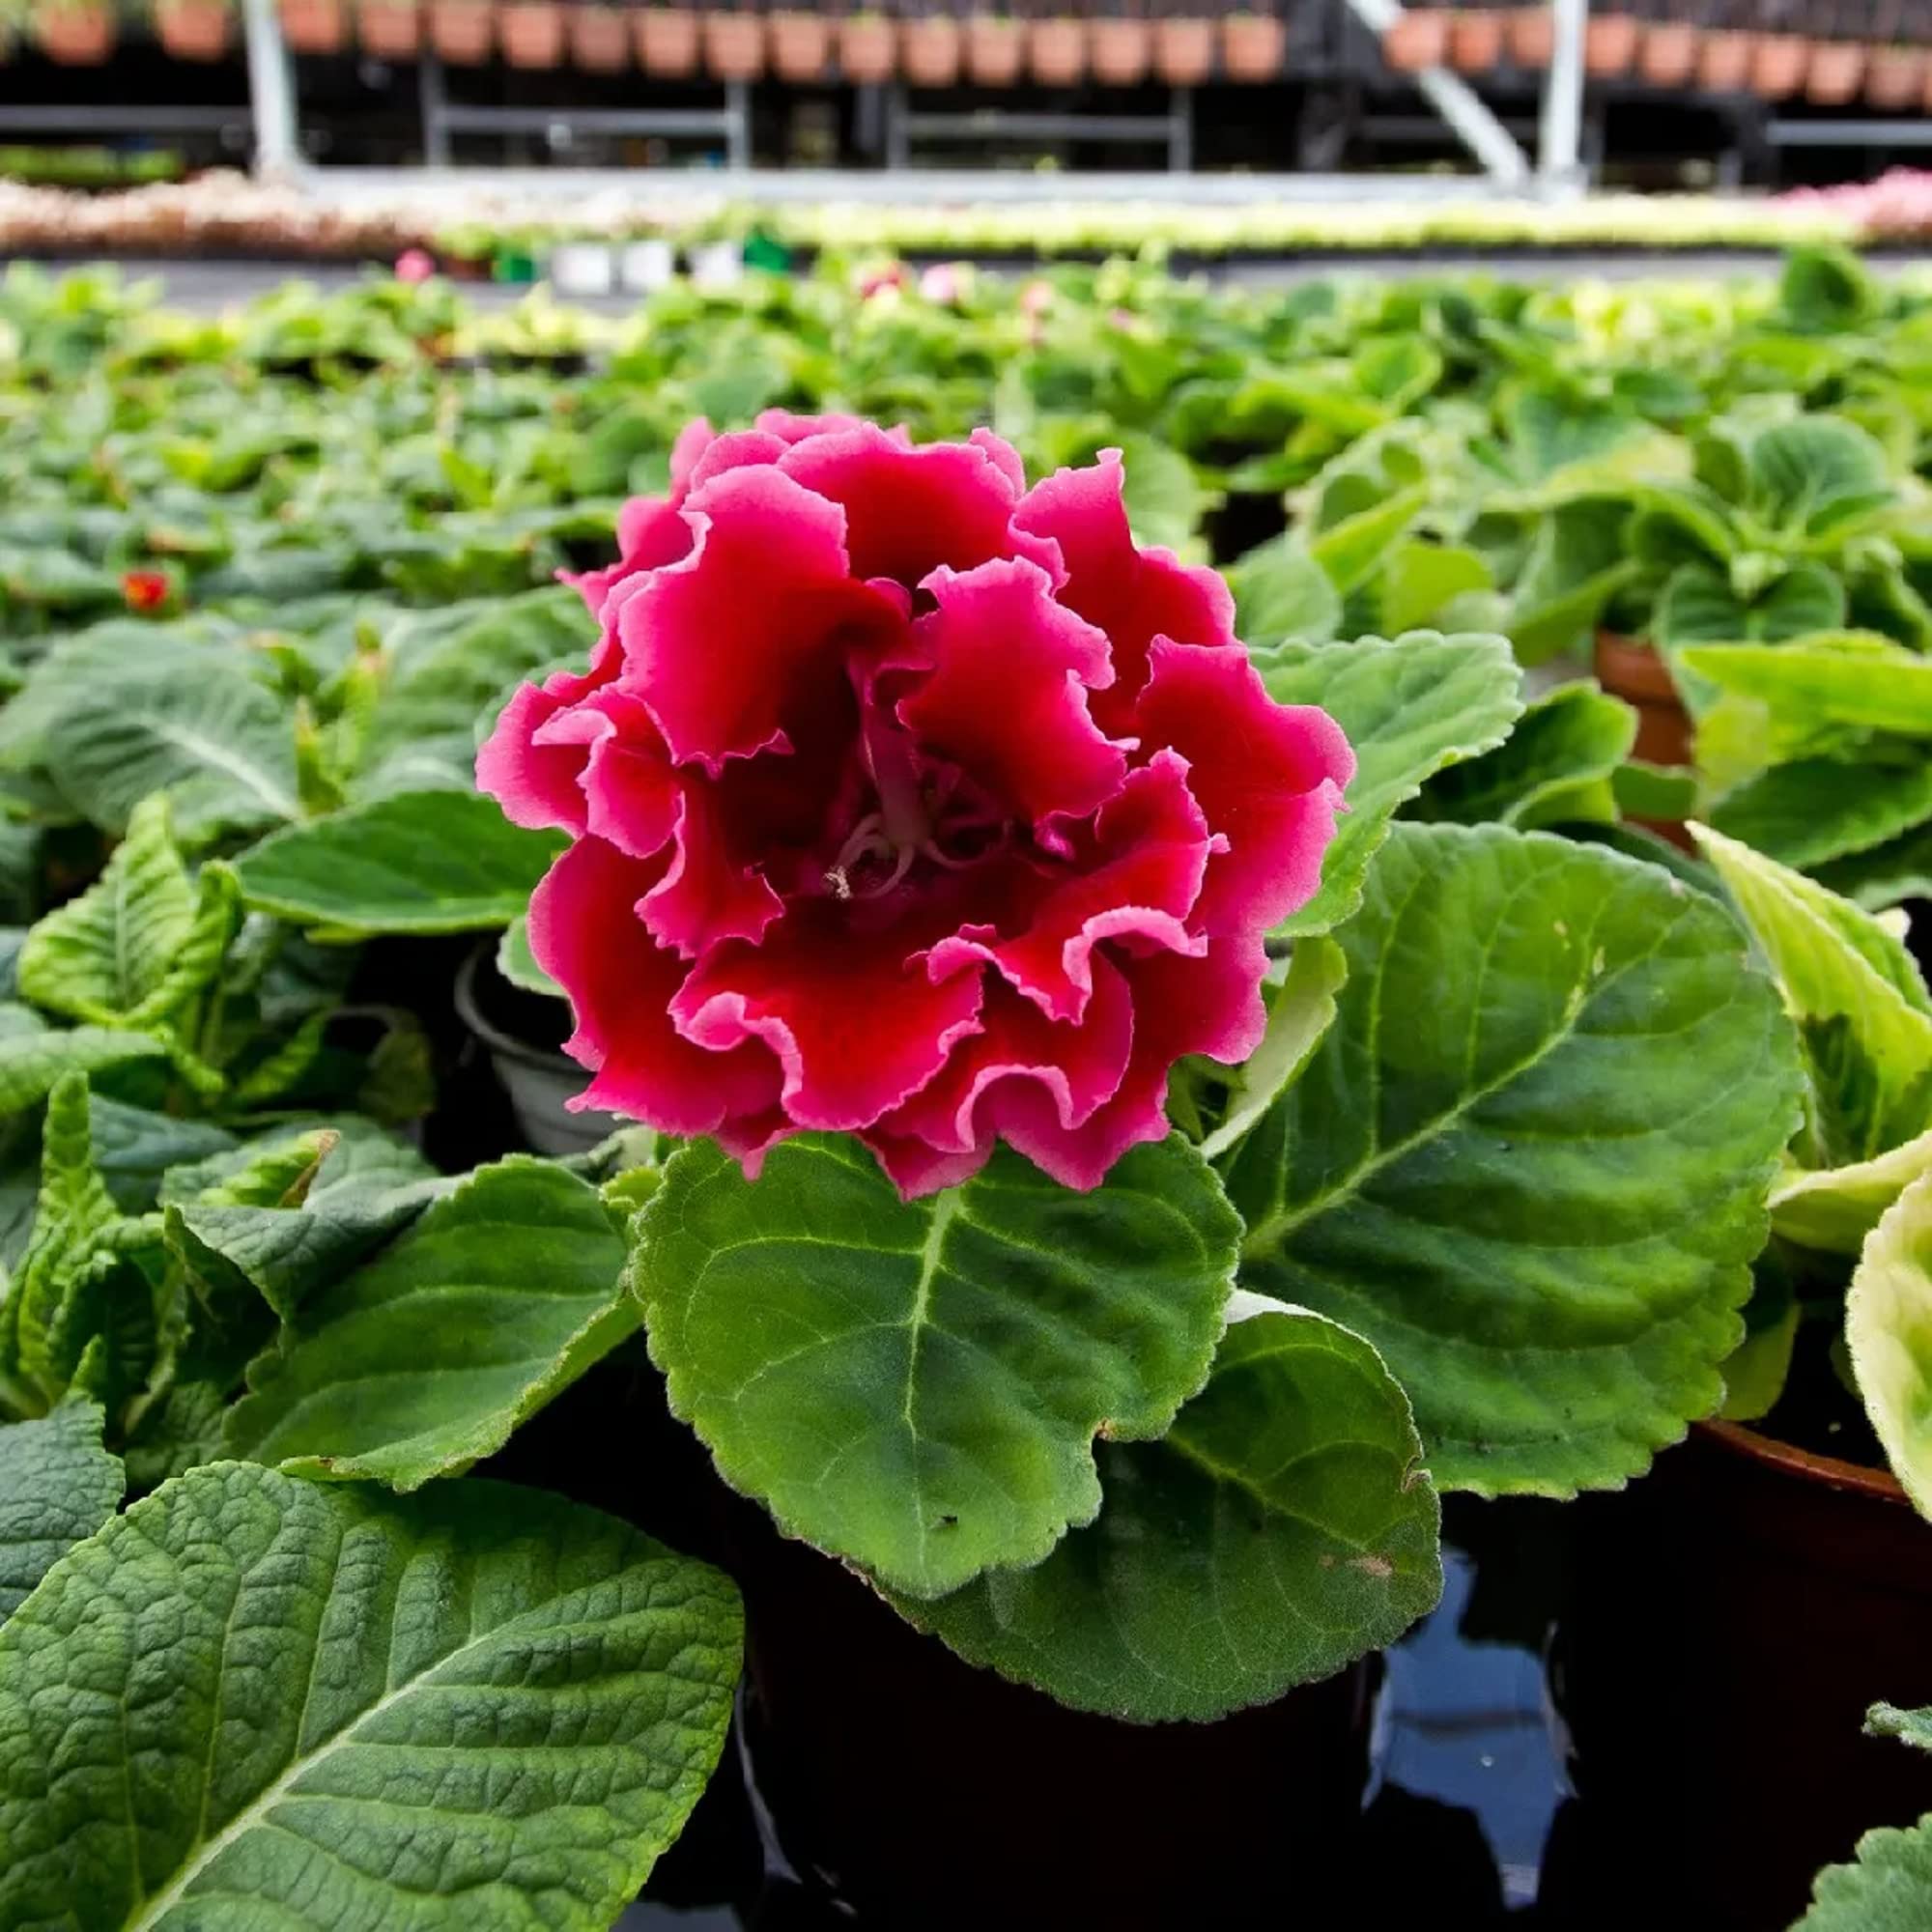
{"x": 1479, "y": 131}
{"x": 1557, "y": 164}
{"x": 270, "y": 91}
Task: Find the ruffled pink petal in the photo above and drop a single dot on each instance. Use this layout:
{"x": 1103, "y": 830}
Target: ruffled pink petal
{"x": 748, "y": 627}
{"x": 536, "y": 780}
{"x": 1269, "y": 776}
{"x": 629, "y": 794}
{"x": 706, "y": 895}
{"x": 911, "y": 509}
{"x": 1210, "y": 1004}
{"x": 650, "y": 533}
{"x": 586, "y": 934}
{"x": 855, "y": 1023}
{"x": 1149, "y": 853}
{"x": 693, "y": 440}
{"x": 789, "y": 428}
{"x": 735, "y": 450}
{"x": 1006, "y": 696}
{"x": 915, "y": 1167}
{"x": 1133, "y": 595}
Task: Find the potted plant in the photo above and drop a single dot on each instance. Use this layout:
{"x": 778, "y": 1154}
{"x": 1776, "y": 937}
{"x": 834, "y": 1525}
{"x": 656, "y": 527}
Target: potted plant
{"x": 801, "y": 40}
{"x": 76, "y": 33}
{"x": 1056, "y": 49}
{"x": 1895, "y": 76}
{"x": 734, "y": 43}
{"x": 1253, "y": 46}
{"x": 1780, "y": 61}
{"x": 1184, "y": 48}
{"x": 389, "y": 29}
{"x": 1119, "y": 48}
{"x": 867, "y": 47}
{"x": 463, "y": 31}
{"x": 1837, "y": 72}
{"x": 531, "y": 32}
{"x": 313, "y": 26}
{"x": 932, "y": 50}
{"x": 1724, "y": 60}
{"x": 667, "y": 41}
{"x": 1532, "y": 34}
{"x": 1476, "y": 40}
{"x": 1668, "y": 52}
{"x": 1418, "y": 39}
{"x": 1610, "y": 45}
{"x": 599, "y": 37}
{"x": 194, "y": 30}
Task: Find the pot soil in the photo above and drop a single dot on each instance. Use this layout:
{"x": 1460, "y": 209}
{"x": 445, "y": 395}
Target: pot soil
{"x": 1120, "y": 53}
{"x": 1254, "y": 46}
{"x": 313, "y": 26}
{"x": 933, "y": 1795}
{"x": 521, "y": 1034}
{"x": 801, "y": 46}
{"x": 1610, "y": 45}
{"x": 1531, "y": 36}
{"x": 531, "y": 32}
{"x": 1778, "y": 64}
{"x": 666, "y": 41}
{"x": 1723, "y": 61}
{"x": 1183, "y": 50}
{"x": 1894, "y": 79}
{"x": 1735, "y": 1614}
{"x": 82, "y": 35}
{"x": 1056, "y": 52}
{"x": 1667, "y": 55}
{"x": 462, "y": 32}
{"x": 599, "y": 38}
{"x": 1419, "y": 40}
{"x": 389, "y": 29}
{"x": 1837, "y": 71}
{"x": 734, "y": 45}
{"x": 929, "y": 50}
{"x": 1476, "y": 41}
{"x": 194, "y": 30}
{"x": 867, "y": 49}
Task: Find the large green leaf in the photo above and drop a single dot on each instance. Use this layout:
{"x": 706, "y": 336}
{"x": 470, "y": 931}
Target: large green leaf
{"x": 1888, "y": 1329}
{"x": 1528, "y": 1160}
{"x": 422, "y": 1362}
{"x": 1700, "y": 604}
{"x": 258, "y": 1701}
{"x": 57, "y": 1487}
{"x": 1550, "y": 768}
{"x": 1280, "y": 1529}
{"x": 1833, "y": 1208}
{"x": 33, "y": 1054}
{"x": 1409, "y": 707}
{"x": 918, "y": 1385}
{"x": 1280, "y": 592}
{"x": 1838, "y": 679}
{"x": 1809, "y": 476}
{"x": 1813, "y": 810}
{"x": 417, "y": 861}
{"x": 213, "y": 739}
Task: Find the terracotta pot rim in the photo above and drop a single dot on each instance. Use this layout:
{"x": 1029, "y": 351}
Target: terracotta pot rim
{"x": 1633, "y": 668}
{"x": 1829, "y": 1472}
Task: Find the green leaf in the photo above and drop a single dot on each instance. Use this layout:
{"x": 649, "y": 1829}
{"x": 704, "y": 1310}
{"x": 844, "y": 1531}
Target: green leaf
{"x": 1889, "y": 1330}
{"x": 220, "y": 744}
{"x": 518, "y": 964}
{"x": 1280, "y": 592}
{"x": 1826, "y": 290}
{"x": 57, "y": 1487}
{"x": 1813, "y": 810}
{"x": 1420, "y": 579}
{"x": 1352, "y": 548}
{"x": 1900, "y": 869}
{"x": 1806, "y": 476}
{"x": 424, "y": 1360}
{"x": 1574, "y": 738}
{"x": 34, "y": 1056}
{"x": 1528, "y": 1160}
{"x": 134, "y": 1148}
{"x": 1409, "y": 707}
{"x": 1888, "y": 1890}
{"x": 1700, "y": 604}
{"x": 1280, "y": 1529}
{"x": 1300, "y": 1010}
{"x": 414, "y": 863}
{"x": 1841, "y": 679}
{"x": 479, "y": 1707}
{"x": 917, "y": 1385}
{"x": 1833, "y": 1208}
{"x": 1657, "y": 792}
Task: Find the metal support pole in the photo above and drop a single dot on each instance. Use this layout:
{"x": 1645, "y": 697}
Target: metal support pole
{"x": 1558, "y": 167}
{"x": 1467, "y": 116}
{"x": 431, "y": 103}
{"x": 738, "y": 128}
{"x": 271, "y": 90}
{"x": 1180, "y": 132}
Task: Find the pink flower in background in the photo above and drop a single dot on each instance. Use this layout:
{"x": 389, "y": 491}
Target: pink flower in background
{"x": 908, "y": 802}
{"x": 943, "y": 283}
{"x": 414, "y": 264}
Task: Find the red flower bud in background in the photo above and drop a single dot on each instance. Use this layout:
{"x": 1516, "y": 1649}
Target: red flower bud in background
{"x": 911, "y": 803}
{"x": 145, "y": 591}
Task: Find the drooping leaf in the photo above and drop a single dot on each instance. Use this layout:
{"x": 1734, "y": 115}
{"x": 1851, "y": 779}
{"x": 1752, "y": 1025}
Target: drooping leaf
{"x": 412, "y": 862}
{"x": 1409, "y": 707}
{"x": 423, "y": 1360}
{"x": 1528, "y": 1160}
{"x": 57, "y": 1487}
{"x": 1833, "y": 1208}
{"x": 1280, "y": 1529}
{"x": 1564, "y": 745}
{"x": 34, "y": 1056}
{"x": 918, "y": 1385}
{"x": 1300, "y": 1010}
{"x": 480, "y": 1706}
{"x": 1889, "y": 1330}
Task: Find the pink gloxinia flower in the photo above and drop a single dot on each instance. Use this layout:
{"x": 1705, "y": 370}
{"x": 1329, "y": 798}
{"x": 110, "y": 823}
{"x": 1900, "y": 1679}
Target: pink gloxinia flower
{"x": 911, "y": 803}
